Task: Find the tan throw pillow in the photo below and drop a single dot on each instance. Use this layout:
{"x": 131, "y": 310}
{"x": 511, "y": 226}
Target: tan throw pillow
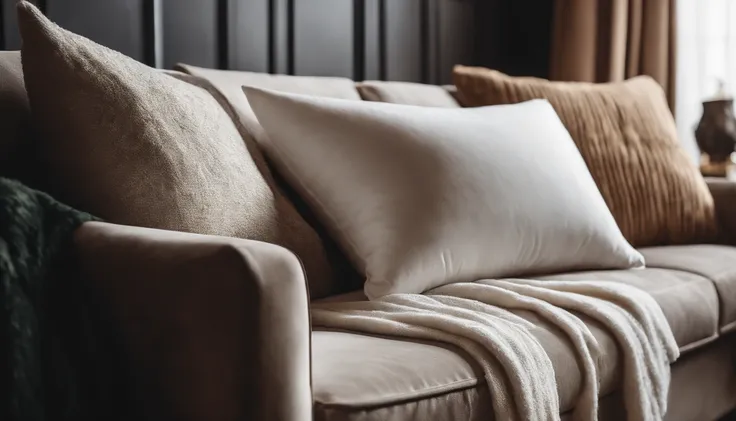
{"x": 406, "y": 93}
{"x": 138, "y": 147}
{"x": 627, "y": 136}
{"x": 421, "y": 196}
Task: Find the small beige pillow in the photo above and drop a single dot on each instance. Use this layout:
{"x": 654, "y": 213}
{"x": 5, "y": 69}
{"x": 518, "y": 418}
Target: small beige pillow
{"x": 421, "y": 196}
{"x": 135, "y": 146}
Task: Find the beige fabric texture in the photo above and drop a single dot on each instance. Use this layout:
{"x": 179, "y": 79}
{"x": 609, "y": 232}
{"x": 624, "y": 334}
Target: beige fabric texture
{"x": 717, "y": 263}
{"x": 368, "y": 378}
{"x": 628, "y": 138}
{"x": 138, "y": 147}
{"x": 420, "y": 196}
{"x": 406, "y": 93}
{"x": 205, "y": 327}
{"x": 521, "y": 380}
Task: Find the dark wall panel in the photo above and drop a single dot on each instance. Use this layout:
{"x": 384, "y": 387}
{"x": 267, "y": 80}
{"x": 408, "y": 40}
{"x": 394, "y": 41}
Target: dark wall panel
{"x": 513, "y": 40}
{"x": 190, "y": 32}
{"x": 456, "y": 38}
{"x": 323, "y": 37}
{"x": 117, "y": 24}
{"x": 249, "y": 26}
{"x": 10, "y": 25}
{"x": 403, "y": 42}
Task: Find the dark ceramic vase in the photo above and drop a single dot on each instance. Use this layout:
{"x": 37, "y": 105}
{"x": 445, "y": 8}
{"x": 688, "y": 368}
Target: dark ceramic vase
{"x": 716, "y": 132}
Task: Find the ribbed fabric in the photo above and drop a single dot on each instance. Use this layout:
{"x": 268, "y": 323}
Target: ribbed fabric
{"x": 628, "y": 138}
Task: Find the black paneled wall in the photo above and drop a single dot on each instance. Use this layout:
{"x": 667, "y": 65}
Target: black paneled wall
{"x": 410, "y": 40}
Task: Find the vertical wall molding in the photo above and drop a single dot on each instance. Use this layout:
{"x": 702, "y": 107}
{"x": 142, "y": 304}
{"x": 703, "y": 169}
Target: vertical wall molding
{"x": 434, "y": 49}
{"x": 279, "y": 27}
{"x": 272, "y": 36}
{"x": 430, "y": 41}
{"x": 291, "y": 37}
{"x": 153, "y": 33}
{"x": 425, "y": 36}
{"x": 280, "y": 39}
{"x": 371, "y": 53}
{"x": 2, "y": 25}
{"x": 359, "y": 39}
{"x": 382, "y": 40}
{"x": 223, "y": 34}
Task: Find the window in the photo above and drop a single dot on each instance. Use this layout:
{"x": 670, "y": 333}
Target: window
{"x": 706, "y": 56}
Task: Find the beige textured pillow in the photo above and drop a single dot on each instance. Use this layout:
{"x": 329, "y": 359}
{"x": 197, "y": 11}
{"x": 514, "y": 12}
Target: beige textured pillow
{"x": 422, "y": 196}
{"x": 627, "y": 136}
{"x": 406, "y": 93}
{"x": 139, "y": 147}
{"x": 229, "y": 85}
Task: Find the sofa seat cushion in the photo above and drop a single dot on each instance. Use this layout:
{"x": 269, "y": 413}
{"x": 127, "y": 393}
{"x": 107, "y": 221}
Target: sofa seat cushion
{"x": 715, "y": 262}
{"x": 688, "y": 300}
{"x": 230, "y": 83}
{"x": 362, "y": 377}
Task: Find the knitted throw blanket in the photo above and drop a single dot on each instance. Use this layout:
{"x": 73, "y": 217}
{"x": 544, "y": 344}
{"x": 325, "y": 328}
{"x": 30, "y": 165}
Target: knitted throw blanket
{"x": 40, "y": 372}
{"x": 477, "y": 317}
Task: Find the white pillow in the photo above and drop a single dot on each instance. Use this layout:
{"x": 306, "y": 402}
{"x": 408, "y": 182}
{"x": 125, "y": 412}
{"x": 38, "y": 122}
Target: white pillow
{"x": 421, "y": 197}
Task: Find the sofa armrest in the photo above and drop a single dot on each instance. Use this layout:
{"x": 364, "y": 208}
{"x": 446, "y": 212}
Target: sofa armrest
{"x": 724, "y": 196}
{"x": 213, "y": 328}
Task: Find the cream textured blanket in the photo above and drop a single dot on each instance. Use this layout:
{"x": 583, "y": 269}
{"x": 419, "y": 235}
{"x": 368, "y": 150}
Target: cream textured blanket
{"x": 477, "y": 317}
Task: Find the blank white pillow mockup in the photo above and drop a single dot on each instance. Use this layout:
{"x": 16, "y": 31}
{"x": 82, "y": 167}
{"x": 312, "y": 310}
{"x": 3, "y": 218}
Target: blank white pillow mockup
{"x": 421, "y": 197}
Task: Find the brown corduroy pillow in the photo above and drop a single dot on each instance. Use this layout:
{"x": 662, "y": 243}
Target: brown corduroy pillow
{"x": 139, "y": 147}
{"x": 628, "y": 138}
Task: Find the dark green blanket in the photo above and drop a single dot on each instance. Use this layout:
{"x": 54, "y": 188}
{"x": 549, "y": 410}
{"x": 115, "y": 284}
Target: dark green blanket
{"x": 40, "y": 336}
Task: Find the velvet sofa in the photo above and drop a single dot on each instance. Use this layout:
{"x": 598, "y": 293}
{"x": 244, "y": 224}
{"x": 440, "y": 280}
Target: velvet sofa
{"x": 215, "y": 328}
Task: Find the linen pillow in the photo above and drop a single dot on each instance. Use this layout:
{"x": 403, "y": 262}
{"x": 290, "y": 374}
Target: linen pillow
{"x": 628, "y": 138}
{"x": 139, "y": 147}
{"x": 420, "y": 196}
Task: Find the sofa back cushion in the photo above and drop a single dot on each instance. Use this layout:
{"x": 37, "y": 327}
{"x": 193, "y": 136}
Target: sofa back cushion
{"x": 230, "y": 83}
{"x": 139, "y": 147}
{"x": 627, "y": 136}
{"x": 407, "y": 93}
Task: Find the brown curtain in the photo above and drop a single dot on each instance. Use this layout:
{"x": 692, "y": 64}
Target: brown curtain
{"x": 612, "y": 40}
